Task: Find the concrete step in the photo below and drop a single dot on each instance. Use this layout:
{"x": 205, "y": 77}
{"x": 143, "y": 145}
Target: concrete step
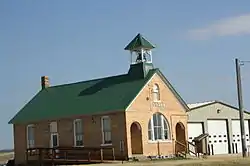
{"x": 138, "y": 157}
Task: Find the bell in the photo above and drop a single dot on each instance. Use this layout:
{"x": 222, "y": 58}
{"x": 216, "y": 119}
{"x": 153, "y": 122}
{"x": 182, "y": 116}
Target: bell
{"x": 144, "y": 57}
{"x": 138, "y": 59}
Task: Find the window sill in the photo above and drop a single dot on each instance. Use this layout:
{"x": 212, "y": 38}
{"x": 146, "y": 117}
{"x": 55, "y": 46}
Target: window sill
{"x": 106, "y": 144}
{"x": 160, "y": 141}
{"x": 75, "y": 146}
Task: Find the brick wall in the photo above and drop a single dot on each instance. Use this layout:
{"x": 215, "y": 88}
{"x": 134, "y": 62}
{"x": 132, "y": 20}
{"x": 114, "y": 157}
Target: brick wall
{"x": 142, "y": 109}
{"x": 91, "y": 129}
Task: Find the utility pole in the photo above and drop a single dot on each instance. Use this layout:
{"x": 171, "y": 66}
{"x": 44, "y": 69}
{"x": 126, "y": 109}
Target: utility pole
{"x": 241, "y": 112}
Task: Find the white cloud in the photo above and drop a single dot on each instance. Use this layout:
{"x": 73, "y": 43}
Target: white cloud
{"x": 232, "y": 26}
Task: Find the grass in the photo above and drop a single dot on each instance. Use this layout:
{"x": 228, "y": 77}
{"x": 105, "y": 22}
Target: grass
{"x": 213, "y": 161}
{"x": 226, "y": 160}
{"x": 6, "y": 156}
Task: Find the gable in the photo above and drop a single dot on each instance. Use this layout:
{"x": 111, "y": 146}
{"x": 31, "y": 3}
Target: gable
{"x": 170, "y": 99}
{"x": 209, "y": 111}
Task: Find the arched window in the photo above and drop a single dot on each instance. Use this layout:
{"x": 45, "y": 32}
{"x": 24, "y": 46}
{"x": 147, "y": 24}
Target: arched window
{"x": 156, "y": 92}
{"x": 158, "y": 128}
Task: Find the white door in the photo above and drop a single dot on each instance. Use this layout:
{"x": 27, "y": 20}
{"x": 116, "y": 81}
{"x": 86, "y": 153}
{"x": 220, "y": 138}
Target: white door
{"x": 194, "y": 130}
{"x": 236, "y": 144}
{"x": 218, "y": 136}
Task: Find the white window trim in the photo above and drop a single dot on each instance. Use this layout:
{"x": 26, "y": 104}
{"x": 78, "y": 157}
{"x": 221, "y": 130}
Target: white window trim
{"x": 27, "y": 136}
{"x": 152, "y": 131}
{"x": 74, "y": 123}
{"x": 105, "y": 144}
{"x": 160, "y": 141}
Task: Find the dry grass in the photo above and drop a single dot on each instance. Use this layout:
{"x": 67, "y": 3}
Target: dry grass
{"x": 217, "y": 161}
{"x": 6, "y": 156}
{"x": 226, "y": 160}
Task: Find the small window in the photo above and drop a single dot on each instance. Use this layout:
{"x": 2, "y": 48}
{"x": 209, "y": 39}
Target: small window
{"x": 156, "y": 92}
{"x": 30, "y": 136}
{"x": 106, "y": 130}
{"x": 78, "y": 132}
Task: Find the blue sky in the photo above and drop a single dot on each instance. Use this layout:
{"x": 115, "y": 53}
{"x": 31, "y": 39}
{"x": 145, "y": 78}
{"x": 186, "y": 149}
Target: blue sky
{"x": 71, "y": 41}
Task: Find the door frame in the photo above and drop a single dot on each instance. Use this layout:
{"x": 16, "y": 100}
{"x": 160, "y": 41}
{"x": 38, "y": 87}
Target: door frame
{"x": 139, "y": 130}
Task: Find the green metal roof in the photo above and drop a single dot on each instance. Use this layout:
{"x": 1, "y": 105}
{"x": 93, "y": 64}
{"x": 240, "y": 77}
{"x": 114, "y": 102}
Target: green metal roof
{"x": 86, "y": 98}
{"x": 82, "y": 98}
{"x": 139, "y": 42}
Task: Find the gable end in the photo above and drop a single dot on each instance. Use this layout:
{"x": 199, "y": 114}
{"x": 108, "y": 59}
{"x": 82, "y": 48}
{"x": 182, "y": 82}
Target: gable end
{"x": 172, "y": 89}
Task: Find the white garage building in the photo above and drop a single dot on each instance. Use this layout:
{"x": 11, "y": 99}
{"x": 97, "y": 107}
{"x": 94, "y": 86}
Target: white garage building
{"x": 221, "y": 122}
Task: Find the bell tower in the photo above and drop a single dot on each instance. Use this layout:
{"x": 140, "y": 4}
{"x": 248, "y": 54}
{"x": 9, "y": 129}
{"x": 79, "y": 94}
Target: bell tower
{"x": 140, "y": 50}
{"x": 140, "y": 56}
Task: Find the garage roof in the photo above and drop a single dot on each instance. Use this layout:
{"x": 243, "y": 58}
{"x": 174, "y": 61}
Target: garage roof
{"x": 207, "y": 103}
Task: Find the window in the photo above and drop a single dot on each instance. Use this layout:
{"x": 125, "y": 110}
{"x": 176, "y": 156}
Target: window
{"x": 106, "y": 130}
{"x": 54, "y": 140}
{"x": 30, "y": 136}
{"x": 156, "y": 92}
{"x": 158, "y": 128}
{"x": 78, "y": 132}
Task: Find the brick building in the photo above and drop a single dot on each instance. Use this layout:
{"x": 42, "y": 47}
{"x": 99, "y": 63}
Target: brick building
{"x": 139, "y": 111}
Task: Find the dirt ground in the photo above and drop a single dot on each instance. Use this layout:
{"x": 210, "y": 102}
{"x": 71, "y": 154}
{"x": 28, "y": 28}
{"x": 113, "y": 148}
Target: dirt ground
{"x": 225, "y": 160}
{"x": 211, "y": 161}
{"x": 5, "y": 157}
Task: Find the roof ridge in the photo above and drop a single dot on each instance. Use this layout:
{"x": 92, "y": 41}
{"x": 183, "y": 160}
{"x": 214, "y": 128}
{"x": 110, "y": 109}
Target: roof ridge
{"x": 79, "y": 82}
{"x": 206, "y": 101}
{"x": 200, "y": 104}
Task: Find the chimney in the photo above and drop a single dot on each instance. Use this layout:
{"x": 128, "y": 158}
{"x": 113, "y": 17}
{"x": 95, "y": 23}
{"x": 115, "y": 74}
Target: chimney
{"x": 45, "y": 82}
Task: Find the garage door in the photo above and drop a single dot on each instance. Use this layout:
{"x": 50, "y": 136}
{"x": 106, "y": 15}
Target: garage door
{"x": 194, "y": 130}
{"x": 236, "y": 144}
{"x": 218, "y": 137}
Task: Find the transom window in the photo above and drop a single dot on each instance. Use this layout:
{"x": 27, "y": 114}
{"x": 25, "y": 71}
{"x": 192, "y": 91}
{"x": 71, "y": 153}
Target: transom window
{"x": 106, "y": 130}
{"x": 158, "y": 128}
{"x": 78, "y": 132}
{"x": 30, "y": 136}
{"x": 156, "y": 92}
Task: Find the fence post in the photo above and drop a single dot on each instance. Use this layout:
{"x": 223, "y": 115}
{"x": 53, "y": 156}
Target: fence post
{"x": 101, "y": 154}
